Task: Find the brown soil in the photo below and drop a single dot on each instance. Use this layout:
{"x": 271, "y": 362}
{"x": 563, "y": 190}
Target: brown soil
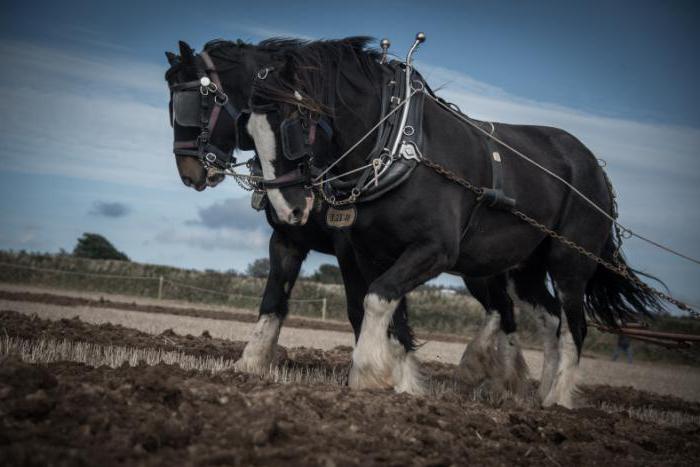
{"x": 71, "y": 414}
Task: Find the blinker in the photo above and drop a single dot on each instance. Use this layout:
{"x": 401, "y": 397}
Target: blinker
{"x": 258, "y": 200}
{"x": 186, "y": 108}
{"x": 295, "y": 142}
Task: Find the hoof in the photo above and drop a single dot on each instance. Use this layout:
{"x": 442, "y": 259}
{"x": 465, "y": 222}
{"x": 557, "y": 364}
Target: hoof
{"x": 474, "y": 367}
{"x": 364, "y": 377}
{"x": 410, "y": 380}
{"x": 251, "y": 365}
{"x": 562, "y": 401}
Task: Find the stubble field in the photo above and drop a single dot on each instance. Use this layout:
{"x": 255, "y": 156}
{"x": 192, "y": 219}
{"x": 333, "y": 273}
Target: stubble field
{"x": 76, "y": 392}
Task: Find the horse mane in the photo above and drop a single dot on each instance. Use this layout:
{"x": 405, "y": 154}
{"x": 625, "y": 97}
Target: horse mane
{"x": 308, "y": 68}
{"x": 228, "y": 50}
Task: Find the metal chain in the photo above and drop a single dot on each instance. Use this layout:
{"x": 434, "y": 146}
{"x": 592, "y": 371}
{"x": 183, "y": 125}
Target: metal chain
{"x": 244, "y": 182}
{"x": 334, "y": 202}
{"x": 448, "y": 174}
{"x": 620, "y": 270}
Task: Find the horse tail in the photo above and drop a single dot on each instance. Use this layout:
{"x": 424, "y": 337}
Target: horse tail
{"x": 613, "y": 299}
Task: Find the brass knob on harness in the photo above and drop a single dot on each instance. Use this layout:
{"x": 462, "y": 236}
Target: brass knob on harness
{"x": 384, "y": 44}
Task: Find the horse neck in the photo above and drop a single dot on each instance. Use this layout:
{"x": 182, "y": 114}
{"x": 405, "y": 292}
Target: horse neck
{"x": 465, "y": 151}
{"x": 356, "y": 111}
{"x": 241, "y": 79}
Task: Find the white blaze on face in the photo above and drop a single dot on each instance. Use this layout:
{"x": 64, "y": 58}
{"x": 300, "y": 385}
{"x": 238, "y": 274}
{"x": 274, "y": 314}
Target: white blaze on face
{"x": 261, "y": 132}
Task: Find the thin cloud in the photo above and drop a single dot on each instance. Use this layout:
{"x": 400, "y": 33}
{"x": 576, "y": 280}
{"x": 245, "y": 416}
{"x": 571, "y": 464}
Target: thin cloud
{"x": 222, "y": 239}
{"x": 232, "y": 213}
{"x": 109, "y": 209}
{"x": 30, "y": 63}
{"x": 82, "y": 117}
{"x": 264, "y": 32}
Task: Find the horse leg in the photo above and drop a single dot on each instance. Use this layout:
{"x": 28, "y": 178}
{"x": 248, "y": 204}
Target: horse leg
{"x": 356, "y": 288}
{"x": 495, "y": 352}
{"x": 548, "y": 327}
{"x": 411, "y": 380}
{"x": 285, "y": 263}
{"x": 379, "y": 359}
{"x": 354, "y": 282}
{"x": 570, "y": 278}
{"x": 511, "y": 370}
{"x": 477, "y": 359}
{"x": 528, "y": 290}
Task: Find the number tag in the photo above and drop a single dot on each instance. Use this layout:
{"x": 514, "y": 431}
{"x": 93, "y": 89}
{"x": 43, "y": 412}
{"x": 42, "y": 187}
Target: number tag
{"x": 341, "y": 218}
{"x": 258, "y": 201}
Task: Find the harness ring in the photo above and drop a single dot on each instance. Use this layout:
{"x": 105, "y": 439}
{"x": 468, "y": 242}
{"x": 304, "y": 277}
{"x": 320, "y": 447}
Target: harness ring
{"x": 415, "y": 88}
{"x": 409, "y": 130}
{"x": 210, "y": 157}
{"x": 262, "y": 74}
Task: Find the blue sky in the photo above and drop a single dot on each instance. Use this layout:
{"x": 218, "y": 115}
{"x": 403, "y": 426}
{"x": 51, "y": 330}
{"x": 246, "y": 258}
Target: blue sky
{"x": 86, "y": 141}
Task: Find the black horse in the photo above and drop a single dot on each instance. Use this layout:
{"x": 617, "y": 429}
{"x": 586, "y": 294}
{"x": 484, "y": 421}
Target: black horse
{"x": 236, "y": 64}
{"x": 424, "y": 226}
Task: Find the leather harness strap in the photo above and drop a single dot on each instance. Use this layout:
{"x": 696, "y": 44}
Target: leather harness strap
{"x": 495, "y": 197}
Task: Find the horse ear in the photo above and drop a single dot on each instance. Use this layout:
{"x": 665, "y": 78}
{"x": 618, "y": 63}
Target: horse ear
{"x": 172, "y": 58}
{"x": 186, "y": 51}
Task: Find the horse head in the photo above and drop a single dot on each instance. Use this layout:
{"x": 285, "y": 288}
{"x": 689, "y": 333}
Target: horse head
{"x": 295, "y": 113}
{"x": 209, "y": 94}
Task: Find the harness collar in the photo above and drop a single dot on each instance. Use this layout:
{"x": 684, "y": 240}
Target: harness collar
{"x": 386, "y": 169}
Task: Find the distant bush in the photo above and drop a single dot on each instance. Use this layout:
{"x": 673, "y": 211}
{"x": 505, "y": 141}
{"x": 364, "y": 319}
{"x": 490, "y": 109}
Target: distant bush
{"x": 328, "y": 274}
{"x": 259, "y": 268}
{"x": 95, "y": 246}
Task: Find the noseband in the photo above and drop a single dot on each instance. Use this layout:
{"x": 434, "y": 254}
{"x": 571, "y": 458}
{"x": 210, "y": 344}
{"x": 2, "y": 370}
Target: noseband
{"x": 198, "y": 103}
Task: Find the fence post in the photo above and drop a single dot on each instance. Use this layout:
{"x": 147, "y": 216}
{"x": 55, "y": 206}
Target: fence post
{"x": 160, "y": 288}
{"x": 324, "y": 303}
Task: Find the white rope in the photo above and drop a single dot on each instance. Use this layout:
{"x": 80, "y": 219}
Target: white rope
{"x": 573, "y": 188}
{"x": 349, "y": 172}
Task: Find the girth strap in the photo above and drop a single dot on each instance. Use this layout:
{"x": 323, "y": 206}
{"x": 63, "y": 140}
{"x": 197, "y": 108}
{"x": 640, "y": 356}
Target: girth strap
{"x": 495, "y": 197}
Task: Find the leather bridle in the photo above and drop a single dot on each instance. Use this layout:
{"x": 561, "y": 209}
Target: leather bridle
{"x": 298, "y": 133}
{"x": 206, "y": 98}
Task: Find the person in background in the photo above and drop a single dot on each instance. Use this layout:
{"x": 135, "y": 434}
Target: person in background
{"x": 623, "y": 345}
